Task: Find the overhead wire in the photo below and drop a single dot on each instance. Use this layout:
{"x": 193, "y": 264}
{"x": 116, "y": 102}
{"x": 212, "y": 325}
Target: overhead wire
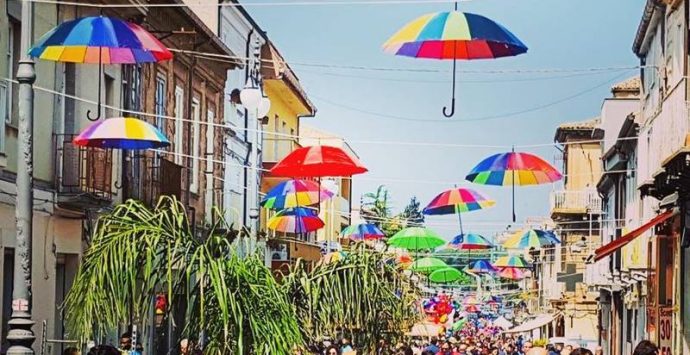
{"x": 251, "y": 4}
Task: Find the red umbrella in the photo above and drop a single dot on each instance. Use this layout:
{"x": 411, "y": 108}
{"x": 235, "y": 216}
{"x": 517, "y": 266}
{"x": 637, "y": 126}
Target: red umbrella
{"x": 318, "y": 161}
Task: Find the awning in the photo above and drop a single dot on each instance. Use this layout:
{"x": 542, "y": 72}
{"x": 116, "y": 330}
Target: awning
{"x": 610, "y": 248}
{"x": 538, "y": 322}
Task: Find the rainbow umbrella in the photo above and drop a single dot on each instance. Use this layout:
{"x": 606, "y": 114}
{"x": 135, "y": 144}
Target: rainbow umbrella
{"x": 511, "y": 273}
{"x": 296, "y": 220}
{"x": 512, "y": 261}
{"x": 122, "y": 132}
{"x": 416, "y": 238}
{"x": 457, "y": 200}
{"x": 445, "y": 275}
{"x": 428, "y": 265}
{"x": 295, "y": 193}
{"x": 470, "y": 241}
{"x": 100, "y": 40}
{"x": 454, "y": 35}
{"x": 513, "y": 168}
{"x": 362, "y": 231}
{"x": 531, "y": 238}
{"x": 481, "y": 266}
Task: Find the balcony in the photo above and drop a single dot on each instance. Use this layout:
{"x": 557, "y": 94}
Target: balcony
{"x": 575, "y": 202}
{"x": 83, "y": 175}
{"x": 164, "y": 179}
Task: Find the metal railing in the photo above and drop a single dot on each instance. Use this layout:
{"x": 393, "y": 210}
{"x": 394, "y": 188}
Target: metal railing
{"x": 82, "y": 170}
{"x": 585, "y": 201}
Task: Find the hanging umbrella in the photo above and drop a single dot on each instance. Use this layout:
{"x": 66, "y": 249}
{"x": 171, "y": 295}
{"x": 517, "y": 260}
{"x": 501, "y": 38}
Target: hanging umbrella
{"x": 470, "y": 241}
{"x": 428, "y": 265}
{"x": 512, "y": 169}
{"x": 454, "y": 35}
{"x": 531, "y": 238}
{"x": 457, "y": 200}
{"x": 512, "y": 261}
{"x": 100, "y": 40}
{"x": 511, "y": 273}
{"x": 362, "y": 231}
{"x": 404, "y": 260}
{"x": 295, "y": 220}
{"x": 123, "y": 133}
{"x": 445, "y": 275}
{"x": 481, "y": 266}
{"x": 416, "y": 238}
{"x": 333, "y": 257}
{"x": 318, "y": 161}
{"x": 295, "y": 193}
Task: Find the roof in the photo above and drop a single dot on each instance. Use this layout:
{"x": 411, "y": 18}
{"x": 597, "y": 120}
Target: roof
{"x": 628, "y": 85}
{"x": 589, "y": 127}
{"x": 647, "y": 15}
{"x": 274, "y": 67}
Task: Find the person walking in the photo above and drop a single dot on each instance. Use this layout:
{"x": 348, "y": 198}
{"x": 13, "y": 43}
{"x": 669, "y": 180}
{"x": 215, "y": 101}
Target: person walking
{"x": 646, "y": 347}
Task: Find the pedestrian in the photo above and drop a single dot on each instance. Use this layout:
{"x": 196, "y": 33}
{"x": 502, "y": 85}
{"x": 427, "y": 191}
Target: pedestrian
{"x": 598, "y": 350}
{"x": 581, "y": 351}
{"x": 381, "y": 347}
{"x": 332, "y": 350}
{"x": 345, "y": 346}
{"x": 433, "y": 346}
{"x": 125, "y": 343}
{"x": 568, "y": 349}
{"x": 71, "y": 351}
{"x": 527, "y": 346}
{"x": 646, "y": 347}
{"x": 537, "y": 351}
{"x": 104, "y": 350}
{"x": 551, "y": 350}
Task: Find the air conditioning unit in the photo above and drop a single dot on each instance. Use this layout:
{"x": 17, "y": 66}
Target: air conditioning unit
{"x": 280, "y": 253}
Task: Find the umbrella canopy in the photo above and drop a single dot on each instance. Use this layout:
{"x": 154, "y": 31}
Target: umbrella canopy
{"x": 531, "y": 238}
{"x": 428, "y": 265}
{"x": 362, "y": 231}
{"x": 445, "y": 275}
{"x": 512, "y": 261}
{"x": 454, "y": 35}
{"x": 481, "y": 266}
{"x": 318, "y": 161}
{"x": 100, "y": 40}
{"x": 457, "y": 200}
{"x": 470, "y": 300}
{"x": 472, "y": 309}
{"x": 416, "y": 238}
{"x": 470, "y": 241}
{"x": 122, "y": 133}
{"x": 295, "y": 220}
{"x": 295, "y": 193}
{"x": 513, "y": 168}
{"x": 333, "y": 257}
{"x": 511, "y": 273}
{"x": 404, "y": 260}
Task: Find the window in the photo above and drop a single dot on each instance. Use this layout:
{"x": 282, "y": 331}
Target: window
{"x": 13, "y": 56}
{"x": 160, "y": 102}
{"x": 179, "y": 125}
{"x": 210, "y": 152}
{"x": 194, "y": 186}
{"x": 109, "y": 96}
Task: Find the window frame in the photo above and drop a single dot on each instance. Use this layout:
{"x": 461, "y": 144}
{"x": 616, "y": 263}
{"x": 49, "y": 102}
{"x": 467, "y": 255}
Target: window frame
{"x": 196, "y": 138}
{"x": 178, "y": 138}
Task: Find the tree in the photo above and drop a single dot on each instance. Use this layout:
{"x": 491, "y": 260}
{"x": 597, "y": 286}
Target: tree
{"x": 138, "y": 253}
{"x": 412, "y": 215}
{"x": 376, "y": 209}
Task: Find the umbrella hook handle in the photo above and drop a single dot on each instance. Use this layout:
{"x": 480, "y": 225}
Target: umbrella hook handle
{"x": 100, "y": 74}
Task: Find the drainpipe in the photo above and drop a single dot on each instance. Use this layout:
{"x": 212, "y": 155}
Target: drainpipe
{"x": 248, "y": 144}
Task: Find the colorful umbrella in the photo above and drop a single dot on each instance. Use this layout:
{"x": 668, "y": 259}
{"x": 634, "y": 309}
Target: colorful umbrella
{"x": 333, "y": 257}
{"x": 457, "y": 200}
{"x": 512, "y": 169}
{"x": 295, "y": 193}
{"x": 295, "y": 220}
{"x": 470, "y": 241}
{"x": 318, "y": 161}
{"x": 416, "y": 238}
{"x": 469, "y": 300}
{"x": 404, "y": 260}
{"x": 531, "y": 238}
{"x": 445, "y": 275}
{"x": 472, "y": 309}
{"x": 362, "y": 231}
{"x": 428, "y": 265}
{"x": 123, "y": 133}
{"x": 454, "y": 35}
{"x": 512, "y": 261}
{"x": 511, "y": 273}
{"x": 481, "y": 266}
{"x": 100, "y": 40}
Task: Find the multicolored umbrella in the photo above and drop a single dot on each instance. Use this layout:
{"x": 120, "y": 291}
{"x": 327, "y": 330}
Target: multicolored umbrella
{"x": 511, "y": 273}
{"x": 428, "y": 265}
{"x": 362, "y": 231}
{"x": 481, "y": 266}
{"x": 416, "y": 238}
{"x": 454, "y": 35}
{"x": 100, "y": 40}
{"x": 318, "y": 161}
{"x": 445, "y": 275}
{"x": 470, "y": 241}
{"x": 297, "y": 220}
{"x": 295, "y": 193}
{"x": 512, "y": 261}
{"x": 122, "y": 133}
{"x": 513, "y": 168}
{"x": 531, "y": 238}
{"x": 457, "y": 200}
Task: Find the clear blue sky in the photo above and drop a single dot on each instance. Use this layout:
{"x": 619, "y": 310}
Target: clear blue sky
{"x": 559, "y": 34}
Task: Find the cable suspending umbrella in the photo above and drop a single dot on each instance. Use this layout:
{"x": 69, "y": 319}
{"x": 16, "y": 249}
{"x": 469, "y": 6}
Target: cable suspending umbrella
{"x": 531, "y": 238}
{"x": 511, "y": 169}
{"x": 512, "y": 261}
{"x": 457, "y": 200}
{"x": 428, "y": 265}
{"x": 100, "y": 40}
{"x": 122, "y": 133}
{"x": 454, "y": 35}
{"x": 297, "y": 220}
{"x": 445, "y": 275}
{"x": 416, "y": 238}
{"x": 295, "y": 193}
{"x": 362, "y": 231}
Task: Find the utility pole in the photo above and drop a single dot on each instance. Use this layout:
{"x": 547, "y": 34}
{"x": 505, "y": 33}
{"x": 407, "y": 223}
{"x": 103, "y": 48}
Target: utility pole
{"x": 20, "y": 335}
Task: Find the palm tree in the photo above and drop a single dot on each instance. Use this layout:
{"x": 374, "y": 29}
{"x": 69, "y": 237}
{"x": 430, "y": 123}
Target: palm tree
{"x": 136, "y": 253}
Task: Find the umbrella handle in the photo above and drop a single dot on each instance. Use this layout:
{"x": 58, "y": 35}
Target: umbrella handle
{"x": 452, "y": 109}
{"x": 100, "y": 73}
